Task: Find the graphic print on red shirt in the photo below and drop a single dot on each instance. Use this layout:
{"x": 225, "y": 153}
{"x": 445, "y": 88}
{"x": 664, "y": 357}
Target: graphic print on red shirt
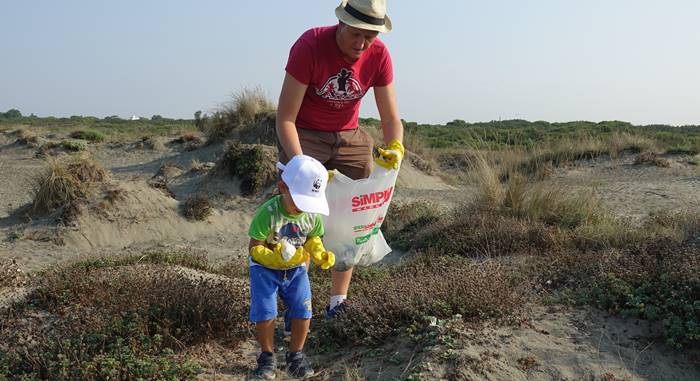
{"x": 341, "y": 86}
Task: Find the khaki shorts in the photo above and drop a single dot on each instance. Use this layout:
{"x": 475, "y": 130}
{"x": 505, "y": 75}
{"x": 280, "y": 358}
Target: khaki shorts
{"x": 348, "y": 151}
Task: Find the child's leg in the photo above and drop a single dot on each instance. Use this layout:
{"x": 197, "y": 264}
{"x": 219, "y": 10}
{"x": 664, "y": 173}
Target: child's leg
{"x": 296, "y": 294}
{"x": 300, "y": 328}
{"x": 266, "y": 333}
{"x": 264, "y": 284}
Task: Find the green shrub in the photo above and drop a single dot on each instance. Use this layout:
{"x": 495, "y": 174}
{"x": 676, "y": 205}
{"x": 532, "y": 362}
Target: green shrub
{"x": 251, "y": 163}
{"x": 89, "y": 135}
{"x": 74, "y": 145}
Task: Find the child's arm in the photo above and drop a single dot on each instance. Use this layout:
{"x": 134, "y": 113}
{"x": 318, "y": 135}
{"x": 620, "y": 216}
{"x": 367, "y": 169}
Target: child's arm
{"x": 321, "y": 257}
{"x": 274, "y": 258}
{"x": 254, "y": 242}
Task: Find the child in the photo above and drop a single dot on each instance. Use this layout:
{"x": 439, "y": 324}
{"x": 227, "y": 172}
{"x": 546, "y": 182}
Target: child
{"x": 284, "y": 234}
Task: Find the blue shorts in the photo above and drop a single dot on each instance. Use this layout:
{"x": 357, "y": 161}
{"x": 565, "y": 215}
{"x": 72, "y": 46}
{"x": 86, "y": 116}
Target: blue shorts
{"x": 292, "y": 286}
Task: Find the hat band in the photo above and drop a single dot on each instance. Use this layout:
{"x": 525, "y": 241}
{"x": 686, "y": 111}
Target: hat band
{"x": 363, "y": 17}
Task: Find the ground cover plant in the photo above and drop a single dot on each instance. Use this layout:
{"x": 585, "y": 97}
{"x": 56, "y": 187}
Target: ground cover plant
{"x": 123, "y": 318}
{"x": 411, "y": 295}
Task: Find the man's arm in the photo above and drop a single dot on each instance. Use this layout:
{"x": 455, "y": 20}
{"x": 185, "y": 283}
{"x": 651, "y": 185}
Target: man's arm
{"x": 388, "y": 113}
{"x": 291, "y": 96}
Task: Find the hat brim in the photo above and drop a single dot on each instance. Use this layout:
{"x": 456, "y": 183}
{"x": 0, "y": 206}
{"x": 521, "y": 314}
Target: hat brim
{"x": 346, "y": 18}
{"x": 310, "y": 204}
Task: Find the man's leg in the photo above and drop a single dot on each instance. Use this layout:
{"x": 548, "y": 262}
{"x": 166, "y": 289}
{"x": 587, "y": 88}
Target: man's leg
{"x": 352, "y": 156}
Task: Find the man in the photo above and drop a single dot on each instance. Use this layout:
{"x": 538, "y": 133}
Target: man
{"x": 328, "y": 72}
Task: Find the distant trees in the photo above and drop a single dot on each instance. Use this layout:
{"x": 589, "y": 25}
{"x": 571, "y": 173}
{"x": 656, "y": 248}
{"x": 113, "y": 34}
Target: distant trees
{"x": 156, "y": 118}
{"x": 12, "y": 113}
{"x": 199, "y": 120}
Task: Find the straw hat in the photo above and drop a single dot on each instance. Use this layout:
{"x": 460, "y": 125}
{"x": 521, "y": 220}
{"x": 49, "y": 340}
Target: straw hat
{"x": 364, "y": 14}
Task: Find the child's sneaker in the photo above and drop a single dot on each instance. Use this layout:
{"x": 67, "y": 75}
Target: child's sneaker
{"x": 297, "y": 366}
{"x": 335, "y": 311}
{"x": 267, "y": 367}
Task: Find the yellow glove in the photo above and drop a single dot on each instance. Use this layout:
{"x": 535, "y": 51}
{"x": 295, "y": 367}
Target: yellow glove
{"x": 391, "y": 156}
{"x": 274, "y": 258}
{"x": 321, "y": 257}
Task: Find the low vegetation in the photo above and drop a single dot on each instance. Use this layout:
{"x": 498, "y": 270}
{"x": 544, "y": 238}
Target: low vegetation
{"x": 407, "y": 297}
{"x": 651, "y": 158}
{"x": 138, "y": 315}
{"x": 112, "y": 127}
{"x": 66, "y": 181}
{"x": 119, "y": 321}
{"x": 74, "y": 145}
{"x": 579, "y": 253}
{"x": 253, "y": 164}
{"x": 89, "y": 135}
{"x": 197, "y": 207}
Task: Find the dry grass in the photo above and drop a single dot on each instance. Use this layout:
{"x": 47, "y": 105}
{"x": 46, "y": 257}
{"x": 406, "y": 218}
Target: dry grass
{"x": 197, "y": 207}
{"x": 64, "y": 182}
{"x": 10, "y": 274}
{"x": 524, "y": 199}
{"x": 115, "y": 194}
{"x": 27, "y": 137}
{"x": 619, "y": 143}
{"x": 540, "y": 161}
{"x": 651, "y": 158}
{"x": 197, "y": 166}
{"x": 249, "y": 103}
{"x": 154, "y": 143}
{"x": 249, "y": 116}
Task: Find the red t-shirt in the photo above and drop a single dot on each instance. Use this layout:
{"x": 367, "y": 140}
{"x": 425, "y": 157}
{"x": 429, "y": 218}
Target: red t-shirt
{"x": 332, "y": 100}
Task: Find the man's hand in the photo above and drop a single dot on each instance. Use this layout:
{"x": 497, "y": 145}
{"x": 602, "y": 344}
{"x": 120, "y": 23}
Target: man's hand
{"x": 319, "y": 255}
{"x": 391, "y": 156}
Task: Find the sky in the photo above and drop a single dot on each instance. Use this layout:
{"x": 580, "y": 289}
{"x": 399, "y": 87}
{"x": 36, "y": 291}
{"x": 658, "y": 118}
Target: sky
{"x": 553, "y": 60}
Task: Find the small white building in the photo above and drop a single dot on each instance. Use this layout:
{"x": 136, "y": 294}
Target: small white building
{"x": 134, "y": 117}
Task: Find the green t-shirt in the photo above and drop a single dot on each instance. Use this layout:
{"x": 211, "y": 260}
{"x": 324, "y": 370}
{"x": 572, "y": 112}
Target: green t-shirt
{"x": 272, "y": 222}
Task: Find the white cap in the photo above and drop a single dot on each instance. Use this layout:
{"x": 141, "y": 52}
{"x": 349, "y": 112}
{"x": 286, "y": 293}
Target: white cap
{"x": 306, "y": 179}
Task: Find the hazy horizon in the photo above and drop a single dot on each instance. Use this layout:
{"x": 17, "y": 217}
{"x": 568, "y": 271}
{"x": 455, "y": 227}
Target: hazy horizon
{"x": 625, "y": 60}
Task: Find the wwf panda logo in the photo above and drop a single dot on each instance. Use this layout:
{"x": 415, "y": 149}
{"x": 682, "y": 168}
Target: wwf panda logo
{"x": 317, "y": 185}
